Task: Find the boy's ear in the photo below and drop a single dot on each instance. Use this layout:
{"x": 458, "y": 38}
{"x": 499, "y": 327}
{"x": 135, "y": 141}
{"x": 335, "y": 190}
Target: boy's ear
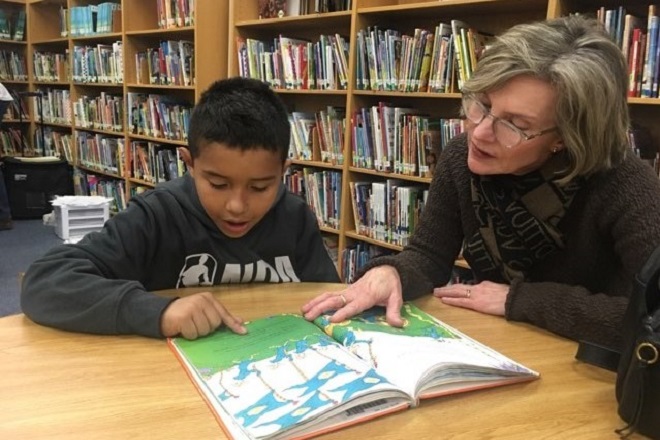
{"x": 287, "y": 164}
{"x": 186, "y": 157}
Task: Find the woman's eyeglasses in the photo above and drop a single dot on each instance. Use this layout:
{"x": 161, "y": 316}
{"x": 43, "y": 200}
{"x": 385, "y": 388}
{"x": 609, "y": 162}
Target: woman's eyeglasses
{"x": 505, "y": 132}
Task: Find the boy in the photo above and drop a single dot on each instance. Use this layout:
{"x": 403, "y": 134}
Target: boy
{"x": 228, "y": 220}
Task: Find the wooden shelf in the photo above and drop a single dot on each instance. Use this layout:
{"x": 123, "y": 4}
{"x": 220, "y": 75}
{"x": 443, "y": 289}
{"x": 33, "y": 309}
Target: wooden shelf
{"x": 101, "y": 131}
{"x": 159, "y": 87}
{"x": 298, "y": 22}
{"x": 99, "y": 171}
{"x": 174, "y": 32}
{"x": 354, "y": 235}
{"x": 644, "y": 101}
{"x": 13, "y": 42}
{"x": 52, "y": 41}
{"x": 316, "y": 164}
{"x": 383, "y": 174}
{"x": 141, "y": 182}
{"x": 110, "y": 36}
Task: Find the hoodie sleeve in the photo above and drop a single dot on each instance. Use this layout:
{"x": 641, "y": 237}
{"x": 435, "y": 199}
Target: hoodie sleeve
{"x": 95, "y": 286}
{"x": 311, "y": 254}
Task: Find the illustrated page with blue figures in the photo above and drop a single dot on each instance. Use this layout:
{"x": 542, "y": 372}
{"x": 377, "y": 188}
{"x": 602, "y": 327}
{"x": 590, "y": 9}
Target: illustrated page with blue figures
{"x": 285, "y": 378}
{"x": 425, "y": 358}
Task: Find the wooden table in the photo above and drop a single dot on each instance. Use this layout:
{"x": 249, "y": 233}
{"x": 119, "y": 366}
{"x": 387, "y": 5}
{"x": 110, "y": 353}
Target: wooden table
{"x": 61, "y": 385}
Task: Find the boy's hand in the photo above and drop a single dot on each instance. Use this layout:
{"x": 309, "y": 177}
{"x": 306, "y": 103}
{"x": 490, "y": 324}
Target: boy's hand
{"x": 197, "y": 315}
{"x": 380, "y": 286}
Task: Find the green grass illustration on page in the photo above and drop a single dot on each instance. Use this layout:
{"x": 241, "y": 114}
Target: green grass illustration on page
{"x": 223, "y": 349}
{"x": 416, "y": 323}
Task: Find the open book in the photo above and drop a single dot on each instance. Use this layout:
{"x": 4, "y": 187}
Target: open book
{"x": 292, "y": 378}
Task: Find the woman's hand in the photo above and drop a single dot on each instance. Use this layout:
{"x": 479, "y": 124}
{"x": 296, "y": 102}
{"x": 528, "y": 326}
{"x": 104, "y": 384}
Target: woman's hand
{"x": 197, "y": 315}
{"x": 485, "y": 297}
{"x": 380, "y": 286}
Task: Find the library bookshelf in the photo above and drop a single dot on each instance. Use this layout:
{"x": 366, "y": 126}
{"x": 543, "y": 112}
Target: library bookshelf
{"x": 14, "y": 76}
{"x": 87, "y": 116}
{"x": 487, "y": 16}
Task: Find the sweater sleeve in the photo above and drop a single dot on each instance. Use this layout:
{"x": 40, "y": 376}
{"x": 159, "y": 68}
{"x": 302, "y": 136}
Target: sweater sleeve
{"x": 94, "y": 286}
{"x": 428, "y": 260}
{"x": 625, "y": 207}
{"x": 311, "y": 254}
{"x": 592, "y": 317}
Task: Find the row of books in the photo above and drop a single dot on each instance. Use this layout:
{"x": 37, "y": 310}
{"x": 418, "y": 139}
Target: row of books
{"x": 100, "y": 152}
{"x": 171, "y": 63}
{"x": 387, "y": 211}
{"x": 175, "y": 13}
{"x": 55, "y": 143}
{"x": 17, "y": 109}
{"x": 12, "y": 66}
{"x": 12, "y": 24}
{"x": 56, "y": 104}
{"x": 426, "y": 61}
{"x": 103, "y": 112}
{"x": 91, "y": 19}
{"x": 50, "y": 66}
{"x": 149, "y": 115}
{"x": 355, "y": 256}
{"x": 643, "y": 146}
{"x": 12, "y": 141}
{"x": 158, "y": 116}
{"x": 399, "y": 139}
{"x": 103, "y": 63}
{"x": 639, "y": 39}
{"x": 155, "y": 163}
{"x": 292, "y": 63}
{"x": 89, "y": 184}
{"x": 320, "y": 189}
{"x": 331, "y": 243}
{"x": 318, "y": 136}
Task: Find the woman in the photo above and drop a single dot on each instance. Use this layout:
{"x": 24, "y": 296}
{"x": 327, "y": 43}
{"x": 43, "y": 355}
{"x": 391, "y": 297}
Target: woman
{"x": 555, "y": 214}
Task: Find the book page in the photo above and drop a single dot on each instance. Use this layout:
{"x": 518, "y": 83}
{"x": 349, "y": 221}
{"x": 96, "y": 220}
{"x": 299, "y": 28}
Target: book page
{"x": 426, "y": 357}
{"x": 284, "y": 377}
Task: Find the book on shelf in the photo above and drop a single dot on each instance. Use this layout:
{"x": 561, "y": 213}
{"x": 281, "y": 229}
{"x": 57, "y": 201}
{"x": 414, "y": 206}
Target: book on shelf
{"x": 442, "y": 60}
{"x": 5, "y": 25}
{"x": 469, "y": 45}
{"x": 288, "y": 377}
{"x": 19, "y": 26}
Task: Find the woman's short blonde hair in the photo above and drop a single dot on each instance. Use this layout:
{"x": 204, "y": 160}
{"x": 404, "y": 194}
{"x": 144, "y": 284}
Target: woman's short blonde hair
{"x": 589, "y": 73}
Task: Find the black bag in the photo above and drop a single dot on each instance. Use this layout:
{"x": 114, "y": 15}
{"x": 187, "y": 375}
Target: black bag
{"x": 638, "y": 365}
{"x": 638, "y": 373}
{"x": 32, "y": 185}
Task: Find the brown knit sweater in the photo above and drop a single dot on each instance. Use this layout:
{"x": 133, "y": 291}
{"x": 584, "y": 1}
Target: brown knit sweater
{"x": 579, "y": 292}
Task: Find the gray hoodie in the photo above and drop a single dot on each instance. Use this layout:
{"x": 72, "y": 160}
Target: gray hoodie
{"x": 166, "y": 240}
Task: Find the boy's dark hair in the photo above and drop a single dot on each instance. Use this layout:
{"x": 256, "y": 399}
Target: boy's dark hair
{"x": 241, "y": 113}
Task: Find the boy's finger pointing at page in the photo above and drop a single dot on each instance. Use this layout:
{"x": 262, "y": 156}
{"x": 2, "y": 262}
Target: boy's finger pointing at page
{"x": 234, "y": 323}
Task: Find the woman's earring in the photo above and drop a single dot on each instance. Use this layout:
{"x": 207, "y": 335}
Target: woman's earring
{"x": 554, "y": 150}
